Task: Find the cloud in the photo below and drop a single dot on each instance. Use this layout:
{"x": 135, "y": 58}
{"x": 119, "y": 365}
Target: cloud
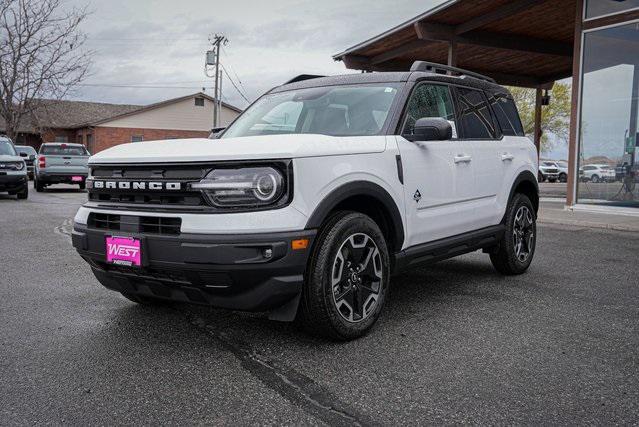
{"x": 163, "y": 42}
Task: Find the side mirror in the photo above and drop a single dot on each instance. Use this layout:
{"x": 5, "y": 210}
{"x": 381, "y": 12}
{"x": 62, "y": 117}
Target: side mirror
{"x": 32, "y": 157}
{"x": 432, "y": 129}
{"x": 215, "y": 132}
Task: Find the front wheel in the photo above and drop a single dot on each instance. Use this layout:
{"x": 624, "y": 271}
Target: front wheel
{"x": 517, "y": 246}
{"x": 346, "y": 282}
{"x": 563, "y": 177}
{"x": 594, "y": 179}
{"x": 24, "y": 193}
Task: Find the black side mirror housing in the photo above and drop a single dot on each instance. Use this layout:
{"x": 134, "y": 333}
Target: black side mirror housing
{"x": 432, "y": 129}
{"x": 32, "y": 157}
{"x": 216, "y": 132}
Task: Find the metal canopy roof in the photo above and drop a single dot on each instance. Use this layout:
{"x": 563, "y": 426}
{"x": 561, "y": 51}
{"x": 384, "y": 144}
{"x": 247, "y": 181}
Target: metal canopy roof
{"x": 516, "y": 42}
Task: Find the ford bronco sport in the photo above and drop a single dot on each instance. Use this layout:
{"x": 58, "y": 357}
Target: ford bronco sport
{"x": 308, "y": 202}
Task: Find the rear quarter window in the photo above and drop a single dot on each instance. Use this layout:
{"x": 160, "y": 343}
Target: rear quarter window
{"x": 507, "y": 115}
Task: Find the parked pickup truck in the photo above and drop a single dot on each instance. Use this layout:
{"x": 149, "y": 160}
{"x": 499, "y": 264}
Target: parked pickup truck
{"x": 61, "y": 163}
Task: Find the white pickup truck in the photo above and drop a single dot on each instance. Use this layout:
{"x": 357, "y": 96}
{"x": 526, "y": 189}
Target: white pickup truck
{"x": 61, "y": 163}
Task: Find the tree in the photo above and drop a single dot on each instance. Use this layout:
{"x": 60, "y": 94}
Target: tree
{"x": 555, "y": 117}
{"x": 41, "y": 56}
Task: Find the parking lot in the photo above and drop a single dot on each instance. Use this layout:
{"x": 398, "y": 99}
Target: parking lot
{"x": 457, "y": 344}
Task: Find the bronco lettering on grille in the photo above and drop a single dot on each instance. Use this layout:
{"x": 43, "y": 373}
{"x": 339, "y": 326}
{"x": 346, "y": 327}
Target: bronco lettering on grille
{"x": 137, "y": 185}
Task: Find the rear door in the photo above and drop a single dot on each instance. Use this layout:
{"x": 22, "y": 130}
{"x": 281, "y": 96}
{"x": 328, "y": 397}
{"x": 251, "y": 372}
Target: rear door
{"x": 491, "y": 156}
{"x": 438, "y": 175}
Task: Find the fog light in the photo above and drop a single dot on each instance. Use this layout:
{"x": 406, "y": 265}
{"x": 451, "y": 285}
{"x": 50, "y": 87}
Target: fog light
{"x": 267, "y": 253}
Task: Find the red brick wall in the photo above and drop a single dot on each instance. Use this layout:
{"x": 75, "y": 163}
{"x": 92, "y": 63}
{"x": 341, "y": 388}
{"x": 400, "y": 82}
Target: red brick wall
{"x": 106, "y": 137}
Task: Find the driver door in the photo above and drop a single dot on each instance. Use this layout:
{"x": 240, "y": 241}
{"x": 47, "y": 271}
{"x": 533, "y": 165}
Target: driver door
{"x": 438, "y": 175}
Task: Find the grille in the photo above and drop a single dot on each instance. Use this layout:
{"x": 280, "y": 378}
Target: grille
{"x": 552, "y": 170}
{"x": 12, "y": 166}
{"x": 170, "y": 200}
{"x": 135, "y": 224}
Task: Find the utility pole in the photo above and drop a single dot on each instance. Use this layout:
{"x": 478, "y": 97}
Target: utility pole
{"x": 213, "y": 59}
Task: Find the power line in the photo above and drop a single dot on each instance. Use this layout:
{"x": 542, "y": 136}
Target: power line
{"x": 234, "y": 85}
{"x": 233, "y": 70}
{"x": 145, "y": 86}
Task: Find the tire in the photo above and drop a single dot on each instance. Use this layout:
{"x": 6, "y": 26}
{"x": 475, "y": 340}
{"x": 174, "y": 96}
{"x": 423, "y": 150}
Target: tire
{"x": 143, "y": 300}
{"x": 521, "y": 227}
{"x": 563, "y": 177}
{"x": 82, "y": 185}
{"x": 24, "y": 193}
{"x": 345, "y": 242}
{"x": 594, "y": 179}
{"x": 540, "y": 177}
{"x": 38, "y": 185}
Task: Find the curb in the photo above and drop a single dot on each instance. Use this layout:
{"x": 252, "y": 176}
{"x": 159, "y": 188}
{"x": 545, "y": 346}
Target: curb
{"x": 587, "y": 224}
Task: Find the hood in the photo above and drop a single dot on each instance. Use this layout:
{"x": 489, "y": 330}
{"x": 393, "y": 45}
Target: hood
{"x": 245, "y": 148}
{"x": 7, "y": 158}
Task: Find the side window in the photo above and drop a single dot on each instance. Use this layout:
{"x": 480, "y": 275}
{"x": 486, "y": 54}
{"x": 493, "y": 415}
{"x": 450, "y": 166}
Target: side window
{"x": 475, "y": 118}
{"x": 429, "y": 100}
{"x": 507, "y": 115}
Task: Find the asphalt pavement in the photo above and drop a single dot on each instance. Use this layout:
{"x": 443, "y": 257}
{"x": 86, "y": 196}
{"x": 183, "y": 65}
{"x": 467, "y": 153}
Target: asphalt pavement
{"x": 457, "y": 344}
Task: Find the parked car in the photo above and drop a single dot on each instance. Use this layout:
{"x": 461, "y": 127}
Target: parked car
{"x": 548, "y": 171}
{"x": 59, "y": 163}
{"x": 29, "y": 154}
{"x": 316, "y": 194}
{"x": 13, "y": 170}
{"x": 597, "y": 173}
{"x": 563, "y": 170}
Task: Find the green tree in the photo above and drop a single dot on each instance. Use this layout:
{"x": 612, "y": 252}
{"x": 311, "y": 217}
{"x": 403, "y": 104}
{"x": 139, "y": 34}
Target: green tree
{"x": 555, "y": 117}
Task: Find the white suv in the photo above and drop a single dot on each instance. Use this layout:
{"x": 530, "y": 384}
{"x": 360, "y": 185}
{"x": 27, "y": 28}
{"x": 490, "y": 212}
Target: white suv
{"x": 315, "y": 195}
{"x": 597, "y": 173}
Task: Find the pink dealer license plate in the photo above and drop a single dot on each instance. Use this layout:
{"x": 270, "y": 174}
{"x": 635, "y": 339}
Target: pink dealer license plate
{"x": 123, "y": 251}
{"x": 77, "y": 178}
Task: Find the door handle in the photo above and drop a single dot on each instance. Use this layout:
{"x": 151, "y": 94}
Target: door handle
{"x": 507, "y": 156}
{"x": 462, "y": 159}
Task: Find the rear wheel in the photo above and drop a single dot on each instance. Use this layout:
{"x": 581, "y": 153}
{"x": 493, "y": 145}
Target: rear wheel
{"x": 540, "y": 177}
{"x": 82, "y": 185}
{"x": 594, "y": 178}
{"x": 38, "y": 185}
{"x": 517, "y": 246}
{"x": 346, "y": 283}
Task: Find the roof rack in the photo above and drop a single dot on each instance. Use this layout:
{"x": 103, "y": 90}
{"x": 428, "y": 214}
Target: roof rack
{"x": 303, "y": 77}
{"x": 443, "y": 69}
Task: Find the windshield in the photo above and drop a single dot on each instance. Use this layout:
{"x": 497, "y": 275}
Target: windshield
{"x": 549, "y": 164}
{"x": 64, "y": 150}
{"x": 356, "y": 110}
{"x": 6, "y": 148}
{"x": 25, "y": 149}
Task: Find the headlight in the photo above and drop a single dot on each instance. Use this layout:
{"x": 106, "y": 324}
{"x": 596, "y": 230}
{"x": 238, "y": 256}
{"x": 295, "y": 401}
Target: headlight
{"x": 19, "y": 166}
{"x": 243, "y": 187}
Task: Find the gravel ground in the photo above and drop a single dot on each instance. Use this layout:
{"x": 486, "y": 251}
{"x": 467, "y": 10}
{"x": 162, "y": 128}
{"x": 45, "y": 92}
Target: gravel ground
{"x": 457, "y": 343}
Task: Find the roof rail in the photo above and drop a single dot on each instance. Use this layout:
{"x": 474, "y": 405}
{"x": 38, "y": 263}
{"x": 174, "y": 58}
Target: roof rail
{"x": 442, "y": 69}
{"x": 303, "y": 77}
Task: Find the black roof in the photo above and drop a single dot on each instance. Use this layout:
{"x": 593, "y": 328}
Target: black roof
{"x": 390, "y": 77}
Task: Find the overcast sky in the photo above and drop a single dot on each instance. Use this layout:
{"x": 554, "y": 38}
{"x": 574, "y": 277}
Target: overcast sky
{"x": 163, "y": 42}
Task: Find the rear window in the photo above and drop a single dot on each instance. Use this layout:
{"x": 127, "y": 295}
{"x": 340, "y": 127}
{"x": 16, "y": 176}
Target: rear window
{"x": 507, "y": 115}
{"x": 64, "y": 150}
{"x": 25, "y": 149}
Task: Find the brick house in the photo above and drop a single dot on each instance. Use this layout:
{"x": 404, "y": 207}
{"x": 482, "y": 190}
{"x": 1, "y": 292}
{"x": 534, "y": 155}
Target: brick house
{"x": 99, "y": 126}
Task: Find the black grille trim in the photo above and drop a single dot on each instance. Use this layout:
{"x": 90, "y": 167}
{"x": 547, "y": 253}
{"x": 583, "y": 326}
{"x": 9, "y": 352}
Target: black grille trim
{"x": 135, "y": 224}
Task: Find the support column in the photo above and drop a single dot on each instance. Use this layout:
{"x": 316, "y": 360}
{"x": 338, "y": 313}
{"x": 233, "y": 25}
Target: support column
{"x": 537, "y": 132}
{"x": 573, "y": 140}
{"x": 452, "y": 53}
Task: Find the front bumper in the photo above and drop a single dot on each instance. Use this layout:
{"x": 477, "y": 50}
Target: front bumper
{"x": 12, "y": 182}
{"x": 227, "y": 271}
